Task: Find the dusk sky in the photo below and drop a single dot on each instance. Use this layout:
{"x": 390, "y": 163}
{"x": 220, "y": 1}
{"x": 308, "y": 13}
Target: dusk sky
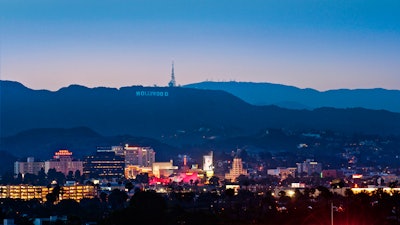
{"x": 321, "y": 44}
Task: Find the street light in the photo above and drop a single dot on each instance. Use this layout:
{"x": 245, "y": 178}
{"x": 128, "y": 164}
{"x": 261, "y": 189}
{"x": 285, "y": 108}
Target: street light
{"x": 331, "y": 213}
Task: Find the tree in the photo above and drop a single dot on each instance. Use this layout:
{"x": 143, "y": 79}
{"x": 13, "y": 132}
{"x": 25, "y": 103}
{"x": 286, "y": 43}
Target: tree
{"x": 60, "y": 178}
{"x": 56, "y": 191}
{"x": 143, "y": 178}
{"x": 148, "y": 207}
{"x": 7, "y": 178}
{"x": 30, "y": 179}
{"x": 78, "y": 176}
{"x": 129, "y": 186}
{"x": 148, "y": 201}
{"x": 51, "y": 199}
{"x": 393, "y": 184}
{"x": 229, "y": 192}
{"x": 214, "y": 181}
{"x": 92, "y": 208}
{"x": 117, "y": 199}
{"x": 243, "y": 180}
{"x": 283, "y": 198}
{"x": 337, "y": 183}
{"x": 42, "y": 177}
{"x": 103, "y": 197}
{"x": 68, "y": 207}
{"x": 52, "y": 174}
{"x": 70, "y": 175}
{"x": 325, "y": 193}
{"x": 19, "y": 179}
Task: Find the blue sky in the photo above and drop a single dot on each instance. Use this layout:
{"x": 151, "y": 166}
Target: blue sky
{"x": 317, "y": 44}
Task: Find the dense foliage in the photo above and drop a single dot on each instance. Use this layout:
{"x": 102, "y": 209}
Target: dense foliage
{"x": 245, "y": 207}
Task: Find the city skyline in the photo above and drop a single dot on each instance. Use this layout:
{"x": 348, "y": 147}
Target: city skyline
{"x": 308, "y": 44}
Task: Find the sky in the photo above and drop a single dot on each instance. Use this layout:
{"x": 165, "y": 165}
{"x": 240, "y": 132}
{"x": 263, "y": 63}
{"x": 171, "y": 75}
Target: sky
{"x": 320, "y": 44}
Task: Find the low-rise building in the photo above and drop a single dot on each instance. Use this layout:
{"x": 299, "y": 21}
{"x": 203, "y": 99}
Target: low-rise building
{"x": 331, "y": 174}
{"x": 30, "y": 166}
{"x": 309, "y": 167}
{"x": 63, "y": 162}
{"x": 282, "y": 172}
{"x": 164, "y": 169}
{"x": 28, "y": 192}
{"x": 132, "y": 171}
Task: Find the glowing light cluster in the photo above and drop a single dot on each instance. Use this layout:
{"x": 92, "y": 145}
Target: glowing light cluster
{"x": 62, "y": 152}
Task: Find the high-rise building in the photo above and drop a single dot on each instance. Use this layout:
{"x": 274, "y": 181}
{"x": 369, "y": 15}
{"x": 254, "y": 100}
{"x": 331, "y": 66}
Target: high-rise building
{"x": 236, "y": 170}
{"x": 139, "y": 156}
{"x": 208, "y": 165}
{"x": 63, "y": 162}
{"x": 30, "y": 166}
{"x": 104, "y": 164}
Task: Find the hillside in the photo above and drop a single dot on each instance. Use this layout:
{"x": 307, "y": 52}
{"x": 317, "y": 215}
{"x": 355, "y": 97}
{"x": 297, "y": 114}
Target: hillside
{"x": 82, "y": 141}
{"x": 177, "y": 116}
{"x": 296, "y": 98}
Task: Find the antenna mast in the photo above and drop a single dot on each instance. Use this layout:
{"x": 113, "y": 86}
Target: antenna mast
{"x": 172, "y": 83}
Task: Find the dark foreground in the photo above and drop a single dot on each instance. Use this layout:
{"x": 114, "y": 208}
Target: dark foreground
{"x": 245, "y": 207}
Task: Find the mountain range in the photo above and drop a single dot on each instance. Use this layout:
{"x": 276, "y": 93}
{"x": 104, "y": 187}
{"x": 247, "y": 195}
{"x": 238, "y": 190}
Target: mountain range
{"x": 43, "y": 142}
{"x": 296, "y": 98}
{"x": 171, "y": 120}
{"x": 169, "y": 114}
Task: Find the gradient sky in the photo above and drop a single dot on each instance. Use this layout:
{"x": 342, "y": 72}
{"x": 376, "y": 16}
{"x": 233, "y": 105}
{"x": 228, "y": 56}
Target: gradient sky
{"x": 321, "y": 44}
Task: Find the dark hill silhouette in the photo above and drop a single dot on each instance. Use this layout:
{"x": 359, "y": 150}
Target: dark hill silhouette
{"x": 296, "y": 98}
{"x": 173, "y": 115}
{"x": 6, "y": 161}
{"x": 42, "y": 143}
{"x": 82, "y": 141}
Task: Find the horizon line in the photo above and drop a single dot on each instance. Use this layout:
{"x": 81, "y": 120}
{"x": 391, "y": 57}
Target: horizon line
{"x": 207, "y": 80}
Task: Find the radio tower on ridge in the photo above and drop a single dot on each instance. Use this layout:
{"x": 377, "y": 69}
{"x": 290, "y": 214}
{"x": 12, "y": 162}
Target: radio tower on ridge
{"x": 172, "y": 83}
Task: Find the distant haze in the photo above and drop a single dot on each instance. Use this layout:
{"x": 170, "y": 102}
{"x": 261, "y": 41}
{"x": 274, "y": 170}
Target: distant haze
{"x": 295, "y": 98}
{"x": 308, "y": 44}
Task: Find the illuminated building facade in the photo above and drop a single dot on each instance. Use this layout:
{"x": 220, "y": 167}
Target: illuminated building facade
{"x": 27, "y": 192}
{"x": 132, "y": 171}
{"x": 63, "y": 162}
{"x": 30, "y": 166}
{"x": 119, "y": 150}
{"x": 163, "y": 169}
{"x": 208, "y": 165}
{"x": 139, "y": 156}
{"x": 105, "y": 164}
{"x": 282, "y": 172}
{"x": 309, "y": 167}
{"x": 236, "y": 170}
{"x": 330, "y": 173}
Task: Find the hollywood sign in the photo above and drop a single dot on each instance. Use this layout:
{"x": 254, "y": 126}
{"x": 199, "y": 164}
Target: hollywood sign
{"x": 152, "y": 93}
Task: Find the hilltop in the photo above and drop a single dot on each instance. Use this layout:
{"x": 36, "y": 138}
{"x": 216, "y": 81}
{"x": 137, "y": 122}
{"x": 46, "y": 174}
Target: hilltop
{"x": 171, "y": 120}
{"x": 175, "y": 115}
{"x": 297, "y": 98}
